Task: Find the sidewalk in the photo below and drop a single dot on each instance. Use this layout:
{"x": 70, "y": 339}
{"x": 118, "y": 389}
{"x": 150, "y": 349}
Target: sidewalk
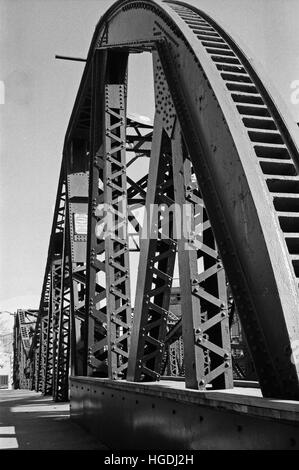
{"x": 30, "y": 421}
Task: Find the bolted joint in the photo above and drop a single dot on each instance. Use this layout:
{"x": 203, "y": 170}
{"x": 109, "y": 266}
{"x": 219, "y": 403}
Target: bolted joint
{"x": 199, "y": 337}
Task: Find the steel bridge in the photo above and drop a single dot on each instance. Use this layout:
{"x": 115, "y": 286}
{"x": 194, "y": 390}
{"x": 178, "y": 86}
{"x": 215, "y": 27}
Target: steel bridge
{"x": 221, "y": 163}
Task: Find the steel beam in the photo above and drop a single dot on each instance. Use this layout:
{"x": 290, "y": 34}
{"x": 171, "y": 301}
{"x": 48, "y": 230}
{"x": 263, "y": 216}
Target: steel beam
{"x": 203, "y": 284}
{"x": 61, "y": 384}
{"x": 118, "y": 296}
{"x": 108, "y": 303}
{"x": 56, "y": 306}
{"x": 160, "y": 416}
{"x": 24, "y": 326}
{"x": 95, "y": 338}
{"x": 77, "y": 204}
{"x": 155, "y": 271}
{"x": 49, "y": 364}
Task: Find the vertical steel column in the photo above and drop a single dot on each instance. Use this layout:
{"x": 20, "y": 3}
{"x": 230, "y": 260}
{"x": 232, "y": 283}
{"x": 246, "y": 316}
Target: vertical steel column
{"x": 174, "y": 336}
{"x": 16, "y": 382}
{"x": 155, "y": 271}
{"x": 22, "y": 366}
{"x": 56, "y": 305}
{"x": 31, "y": 373}
{"x": 39, "y": 360}
{"x": 60, "y": 391}
{"x": 108, "y": 304}
{"x": 96, "y": 313}
{"x": 77, "y": 208}
{"x": 205, "y": 321}
{"x": 44, "y": 351}
{"x": 116, "y": 237}
{"x": 175, "y": 361}
{"x": 48, "y": 386}
{"x": 36, "y": 362}
{"x": 174, "y": 369}
{"x": 22, "y": 348}
{"x": 31, "y": 317}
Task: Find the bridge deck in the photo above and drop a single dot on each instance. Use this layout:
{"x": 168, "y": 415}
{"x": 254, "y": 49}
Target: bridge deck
{"x": 29, "y": 421}
{"x": 166, "y": 415}
{"x": 243, "y": 399}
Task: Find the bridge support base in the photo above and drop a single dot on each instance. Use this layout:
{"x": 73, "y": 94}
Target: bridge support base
{"x": 165, "y": 415}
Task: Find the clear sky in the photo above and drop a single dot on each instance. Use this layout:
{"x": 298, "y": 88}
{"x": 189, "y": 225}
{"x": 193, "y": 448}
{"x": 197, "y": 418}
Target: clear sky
{"x": 39, "y": 96}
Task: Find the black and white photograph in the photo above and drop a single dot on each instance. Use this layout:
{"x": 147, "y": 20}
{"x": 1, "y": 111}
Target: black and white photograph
{"x": 149, "y": 243}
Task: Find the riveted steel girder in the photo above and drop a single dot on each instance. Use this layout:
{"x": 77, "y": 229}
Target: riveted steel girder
{"x": 233, "y": 163}
{"x": 155, "y": 272}
{"x": 205, "y": 322}
{"x": 23, "y": 332}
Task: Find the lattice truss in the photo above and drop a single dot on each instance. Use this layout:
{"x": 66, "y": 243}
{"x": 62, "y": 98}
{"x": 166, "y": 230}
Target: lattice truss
{"x": 105, "y": 216}
{"x": 49, "y": 351}
{"x": 24, "y": 328}
{"x": 109, "y": 295}
{"x": 140, "y": 206}
{"x": 204, "y": 306}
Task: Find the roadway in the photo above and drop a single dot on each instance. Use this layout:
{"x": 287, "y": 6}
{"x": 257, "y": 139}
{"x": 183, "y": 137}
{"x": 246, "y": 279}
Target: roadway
{"x": 30, "y": 421}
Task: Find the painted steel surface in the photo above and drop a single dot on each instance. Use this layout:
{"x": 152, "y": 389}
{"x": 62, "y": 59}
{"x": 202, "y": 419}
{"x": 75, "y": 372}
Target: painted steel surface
{"x": 150, "y": 416}
{"x": 243, "y": 150}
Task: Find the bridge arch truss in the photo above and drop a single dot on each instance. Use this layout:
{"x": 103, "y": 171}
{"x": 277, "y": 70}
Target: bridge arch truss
{"x": 222, "y": 145}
